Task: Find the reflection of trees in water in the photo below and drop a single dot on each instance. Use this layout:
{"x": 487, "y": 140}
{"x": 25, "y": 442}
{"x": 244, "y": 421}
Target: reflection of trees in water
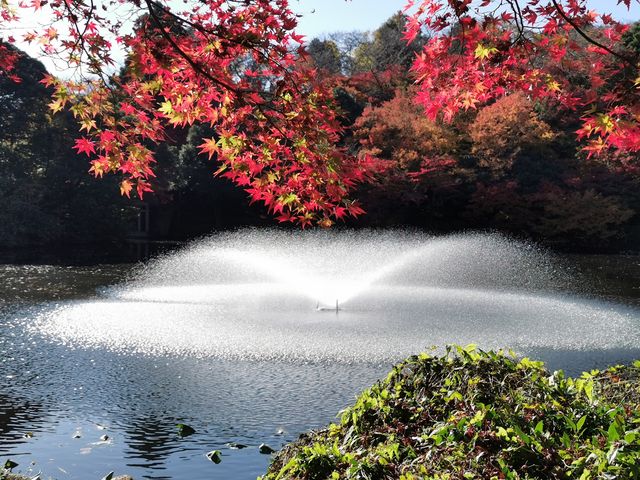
{"x": 151, "y": 440}
{"x": 17, "y": 417}
{"x": 27, "y": 284}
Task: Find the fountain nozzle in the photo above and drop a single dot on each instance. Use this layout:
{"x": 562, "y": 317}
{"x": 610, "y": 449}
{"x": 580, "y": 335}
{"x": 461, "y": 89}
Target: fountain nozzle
{"x": 324, "y": 309}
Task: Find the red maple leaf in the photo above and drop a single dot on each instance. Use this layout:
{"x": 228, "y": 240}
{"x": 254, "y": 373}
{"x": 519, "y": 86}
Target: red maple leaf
{"x": 84, "y": 145}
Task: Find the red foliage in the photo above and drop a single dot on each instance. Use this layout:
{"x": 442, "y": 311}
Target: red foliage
{"x": 8, "y": 59}
{"x": 230, "y": 64}
{"x": 234, "y": 64}
{"x": 399, "y": 132}
{"x": 417, "y": 159}
{"x": 558, "y": 52}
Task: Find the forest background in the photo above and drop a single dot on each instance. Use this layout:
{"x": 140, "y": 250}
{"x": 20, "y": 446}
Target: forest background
{"x": 513, "y": 166}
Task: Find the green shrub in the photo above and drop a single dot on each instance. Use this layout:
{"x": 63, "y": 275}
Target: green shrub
{"x": 472, "y": 414}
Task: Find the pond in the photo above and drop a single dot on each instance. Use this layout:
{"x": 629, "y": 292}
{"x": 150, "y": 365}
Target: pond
{"x": 238, "y": 336}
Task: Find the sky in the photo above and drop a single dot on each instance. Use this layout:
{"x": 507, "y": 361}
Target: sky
{"x": 321, "y": 17}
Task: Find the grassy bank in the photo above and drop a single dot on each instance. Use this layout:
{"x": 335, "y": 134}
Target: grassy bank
{"x": 471, "y": 414}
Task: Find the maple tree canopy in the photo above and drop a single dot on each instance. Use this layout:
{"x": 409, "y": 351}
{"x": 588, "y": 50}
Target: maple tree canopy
{"x": 555, "y": 51}
{"x": 238, "y": 66}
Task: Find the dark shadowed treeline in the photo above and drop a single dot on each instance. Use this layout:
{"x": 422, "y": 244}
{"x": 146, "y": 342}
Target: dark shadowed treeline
{"x": 46, "y": 196}
{"x": 49, "y": 200}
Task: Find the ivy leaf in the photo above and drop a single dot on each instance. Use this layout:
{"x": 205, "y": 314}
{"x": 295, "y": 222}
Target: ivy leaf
{"x": 215, "y": 456}
{"x": 185, "y": 430}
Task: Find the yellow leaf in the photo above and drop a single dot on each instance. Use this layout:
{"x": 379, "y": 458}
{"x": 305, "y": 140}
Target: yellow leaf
{"x": 88, "y": 125}
{"x": 166, "y": 108}
{"x": 606, "y": 123}
{"x": 217, "y": 46}
{"x": 97, "y": 170}
{"x": 125, "y": 188}
{"x": 481, "y": 52}
{"x": 468, "y": 101}
{"x": 552, "y": 85}
{"x": 56, "y": 106}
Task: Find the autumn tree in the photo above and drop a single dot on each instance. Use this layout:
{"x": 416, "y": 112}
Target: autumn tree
{"x": 536, "y": 47}
{"x": 531, "y": 183}
{"x": 397, "y": 131}
{"x": 506, "y": 130}
{"x": 236, "y": 65}
{"x": 419, "y": 179}
{"x": 278, "y": 141}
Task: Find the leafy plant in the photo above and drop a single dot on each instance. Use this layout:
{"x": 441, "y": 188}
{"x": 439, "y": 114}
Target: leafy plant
{"x": 560, "y": 53}
{"x": 504, "y": 129}
{"x": 482, "y": 415}
{"x": 185, "y": 430}
{"x": 239, "y": 66}
{"x": 215, "y": 456}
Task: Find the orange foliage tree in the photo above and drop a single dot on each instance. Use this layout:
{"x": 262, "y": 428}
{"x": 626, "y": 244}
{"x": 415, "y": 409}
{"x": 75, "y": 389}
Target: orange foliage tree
{"x": 503, "y": 130}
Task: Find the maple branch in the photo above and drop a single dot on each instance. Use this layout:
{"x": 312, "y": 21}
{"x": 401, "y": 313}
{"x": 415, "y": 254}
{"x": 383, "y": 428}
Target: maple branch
{"x": 243, "y": 43}
{"x": 198, "y": 69}
{"x": 80, "y": 42}
{"x": 208, "y": 31}
{"x": 192, "y": 63}
{"x": 517, "y": 15}
{"x": 589, "y": 39}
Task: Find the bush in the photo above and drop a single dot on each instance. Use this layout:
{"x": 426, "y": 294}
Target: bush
{"x": 555, "y": 215}
{"x": 478, "y": 415}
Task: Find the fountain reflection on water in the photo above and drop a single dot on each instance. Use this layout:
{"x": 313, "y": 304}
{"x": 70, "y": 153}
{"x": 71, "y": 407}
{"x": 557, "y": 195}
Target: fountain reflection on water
{"x": 261, "y": 295}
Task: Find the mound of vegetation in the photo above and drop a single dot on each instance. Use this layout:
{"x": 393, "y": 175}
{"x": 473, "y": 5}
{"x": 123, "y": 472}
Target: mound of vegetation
{"x": 472, "y": 414}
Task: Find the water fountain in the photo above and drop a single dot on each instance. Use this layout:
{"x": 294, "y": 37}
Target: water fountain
{"x": 266, "y": 295}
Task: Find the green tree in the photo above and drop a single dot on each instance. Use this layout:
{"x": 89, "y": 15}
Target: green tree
{"x": 326, "y": 56}
{"x": 387, "y": 48}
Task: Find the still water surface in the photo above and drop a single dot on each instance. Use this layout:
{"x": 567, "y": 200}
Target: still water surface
{"x": 58, "y": 400}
